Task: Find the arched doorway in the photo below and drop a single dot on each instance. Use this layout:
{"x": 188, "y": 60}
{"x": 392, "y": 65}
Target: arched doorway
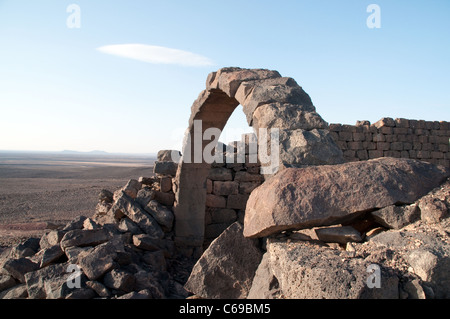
{"x": 269, "y": 101}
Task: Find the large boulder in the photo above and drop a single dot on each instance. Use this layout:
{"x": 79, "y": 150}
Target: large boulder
{"x": 19, "y": 267}
{"x": 226, "y": 268}
{"x": 84, "y": 237}
{"x": 314, "y": 147}
{"x": 287, "y": 116}
{"x": 307, "y": 270}
{"x": 49, "y": 282}
{"x": 299, "y": 198}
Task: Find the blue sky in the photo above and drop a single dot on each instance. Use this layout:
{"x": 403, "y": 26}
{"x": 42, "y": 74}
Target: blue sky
{"x": 59, "y": 90}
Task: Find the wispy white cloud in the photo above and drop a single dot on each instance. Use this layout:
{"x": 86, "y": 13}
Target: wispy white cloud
{"x": 156, "y": 54}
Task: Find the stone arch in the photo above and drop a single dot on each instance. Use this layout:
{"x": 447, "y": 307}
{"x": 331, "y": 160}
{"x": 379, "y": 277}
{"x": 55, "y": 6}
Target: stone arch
{"x": 269, "y": 101}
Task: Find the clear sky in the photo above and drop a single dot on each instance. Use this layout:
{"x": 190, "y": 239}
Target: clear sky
{"x": 124, "y": 81}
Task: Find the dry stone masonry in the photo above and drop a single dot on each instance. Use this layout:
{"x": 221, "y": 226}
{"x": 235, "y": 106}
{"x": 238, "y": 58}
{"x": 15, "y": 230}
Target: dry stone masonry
{"x": 269, "y": 101}
{"x": 401, "y": 138}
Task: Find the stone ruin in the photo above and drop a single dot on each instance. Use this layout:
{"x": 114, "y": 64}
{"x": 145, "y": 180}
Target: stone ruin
{"x": 268, "y": 101}
{"x": 345, "y": 201}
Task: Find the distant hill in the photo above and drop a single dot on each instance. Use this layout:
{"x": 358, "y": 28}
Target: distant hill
{"x": 96, "y": 152}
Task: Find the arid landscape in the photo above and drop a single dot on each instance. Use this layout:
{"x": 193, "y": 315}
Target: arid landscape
{"x": 38, "y": 190}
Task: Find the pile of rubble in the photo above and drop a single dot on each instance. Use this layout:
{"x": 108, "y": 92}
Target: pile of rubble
{"x": 126, "y": 250}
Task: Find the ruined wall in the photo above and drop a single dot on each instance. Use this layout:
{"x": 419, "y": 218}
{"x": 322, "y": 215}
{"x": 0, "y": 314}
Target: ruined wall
{"x": 417, "y": 139}
{"x": 228, "y": 186}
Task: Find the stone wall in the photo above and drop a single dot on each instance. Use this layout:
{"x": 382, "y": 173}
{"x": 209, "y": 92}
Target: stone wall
{"x": 417, "y": 139}
{"x": 228, "y": 188}
{"x": 228, "y": 185}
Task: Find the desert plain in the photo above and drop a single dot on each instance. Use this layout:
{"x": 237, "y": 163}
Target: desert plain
{"x": 41, "y": 190}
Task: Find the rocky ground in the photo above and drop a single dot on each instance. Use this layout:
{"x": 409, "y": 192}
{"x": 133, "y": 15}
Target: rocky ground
{"x": 383, "y": 236}
{"x": 125, "y": 250}
{"x": 397, "y": 247}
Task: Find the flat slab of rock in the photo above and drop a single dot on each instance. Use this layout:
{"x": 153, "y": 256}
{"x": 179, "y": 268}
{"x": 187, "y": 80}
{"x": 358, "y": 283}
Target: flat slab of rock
{"x": 298, "y": 198}
{"x": 339, "y": 234}
{"x": 19, "y": 267}
{"x": 397, "y": 216}
{"x": 84, "y": 237}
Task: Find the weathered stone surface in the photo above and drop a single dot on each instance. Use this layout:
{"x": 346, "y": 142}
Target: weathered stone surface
{"x": 229, "y": 79}
{"x": 6, "y": 282}
{"x": 225, "y": 188}
{"x": 76, "y": 223}
{"x": 19, "y": 267}
{"x": 238, "y": 201}
{"x": 126, "y": 225}
{"x": 120, "y": 280}
{"x": 305, "y": 270}
{"x": 146, "y": 242}
{"x": 247, "y": 177}
{"x": 225, "y": 215}
{"x": 99, "y": 288}
{"x": 147, "y": 281}
{"x": 16, "y": 292}
{"x": 102, "y": 208}
{"x": 425, "y": 250}
{"x": 220, "y": 174}
{"x": 161, "y": 214}
{"x": 105, "y": 196}
{"x": 166, "y": 155}
{"x": 28, "y": 248}
{"x": 51, "y": 255}
{"x": 286, "y": 116}
{"x": 253, "y": 94}
{"x": 51, "y": 239}
{"x": 133, "y": 211}
{"x": 142, "y": 294}
{"x": 99, "y": 260}
{"x": 247, "y": 187}
{"x": 325, "y": 195}
{"x": 72, "y": 253}
{"x": 166, "y": 184}
{"x": 226, "y": 89}
{"x": 215, "y": 201}
{"x": 84, "y": 237}
{"x": 264, "y": 285}
{"x": 302, "y": 147}
{"x": 156, "y": 260}
{"x": 145, "y": 195}
{"x": 90, "y": 224}
{"x": 396, "y": 216}
{"x": 146, "y": 180}
{"x": 49, "y": 282}
{"x": 338, "y": 234}
{"x": 227, "y": 267}
{"x": 167, "y": 199}
{"x": 385, "y": 121}
{"x": 165, "y": 168}
{"x": 414, "y": 290}
{"x": 81, "y": 293}
{"x": 432, "y": 210}
{"x": 132, "y": 188}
